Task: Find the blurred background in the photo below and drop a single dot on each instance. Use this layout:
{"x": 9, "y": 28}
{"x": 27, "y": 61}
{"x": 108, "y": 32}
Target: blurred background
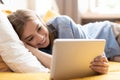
{"x": 81, "y": 11}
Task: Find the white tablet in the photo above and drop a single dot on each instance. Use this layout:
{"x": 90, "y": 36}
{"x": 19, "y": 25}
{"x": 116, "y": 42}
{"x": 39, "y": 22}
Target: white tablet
{"x": 72, "y": 57}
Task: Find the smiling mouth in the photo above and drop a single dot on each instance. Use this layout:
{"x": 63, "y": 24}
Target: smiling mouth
{"x": 42, "y": 42}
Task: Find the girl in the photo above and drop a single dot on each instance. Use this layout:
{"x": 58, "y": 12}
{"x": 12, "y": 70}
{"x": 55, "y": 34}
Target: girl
{"x": 38, "y": 35}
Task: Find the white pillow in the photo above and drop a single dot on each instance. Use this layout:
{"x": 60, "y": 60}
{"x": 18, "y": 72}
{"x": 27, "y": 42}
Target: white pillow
{"x": 13, "y": 51}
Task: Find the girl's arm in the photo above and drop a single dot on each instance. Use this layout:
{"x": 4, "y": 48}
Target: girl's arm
{"x": 115, "y": 58}
{"x": 43, "y": 57}
{"x": 100, "y": 64}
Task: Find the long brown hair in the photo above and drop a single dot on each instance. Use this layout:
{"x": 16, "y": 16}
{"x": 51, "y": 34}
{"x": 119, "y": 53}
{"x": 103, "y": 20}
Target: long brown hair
{"x": 19, "y": 19}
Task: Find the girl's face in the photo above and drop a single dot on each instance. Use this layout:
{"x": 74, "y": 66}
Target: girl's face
{"x": 35, "y": 34}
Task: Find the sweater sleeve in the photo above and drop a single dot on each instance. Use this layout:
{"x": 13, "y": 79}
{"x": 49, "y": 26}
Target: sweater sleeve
{"x": 67, "y": 28}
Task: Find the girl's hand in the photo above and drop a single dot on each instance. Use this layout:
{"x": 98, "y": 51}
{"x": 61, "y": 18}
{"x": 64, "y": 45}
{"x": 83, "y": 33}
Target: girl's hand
{"x": 100, "y": 64}
{"x": 43, "y": 57}
{"x": 30, "y": 48}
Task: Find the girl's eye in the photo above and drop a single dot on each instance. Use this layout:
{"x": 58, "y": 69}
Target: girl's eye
{"x": 30, "y": 39}
{"x": 39, "y": 28}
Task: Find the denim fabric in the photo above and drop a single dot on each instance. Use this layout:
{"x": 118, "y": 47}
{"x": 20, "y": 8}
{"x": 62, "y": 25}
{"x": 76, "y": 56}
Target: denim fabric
{"x": 99, "y": 30}
{"x": 103, "y": 30}
{"x": 67, "y": 28}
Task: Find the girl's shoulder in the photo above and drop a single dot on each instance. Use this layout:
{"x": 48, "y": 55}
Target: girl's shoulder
{"x": 59, "y": 20}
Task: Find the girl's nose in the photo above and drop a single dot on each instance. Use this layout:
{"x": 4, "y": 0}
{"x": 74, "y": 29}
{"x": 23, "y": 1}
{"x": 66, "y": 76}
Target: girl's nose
{"x": 39, "y": 37}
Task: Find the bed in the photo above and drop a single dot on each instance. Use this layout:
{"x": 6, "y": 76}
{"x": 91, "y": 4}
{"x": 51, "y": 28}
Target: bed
{"x": 113, "y": 74}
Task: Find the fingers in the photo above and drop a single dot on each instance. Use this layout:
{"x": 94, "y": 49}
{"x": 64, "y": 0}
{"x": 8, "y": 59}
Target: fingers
{"x": 103, "y": 64}
{"x": 100, "y": 69}
{"x": 100, "y": 59}
{"x": 100, "y": 64}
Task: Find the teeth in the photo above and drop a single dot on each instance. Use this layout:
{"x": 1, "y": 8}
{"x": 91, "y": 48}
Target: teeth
{"x": 43, "y": 41}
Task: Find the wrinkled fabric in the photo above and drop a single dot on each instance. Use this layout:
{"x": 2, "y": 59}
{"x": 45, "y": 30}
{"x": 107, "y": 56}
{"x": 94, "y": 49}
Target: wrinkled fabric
{"x": 14, "y": 55}
{"x": 67, "y": 29}
{"x": 103, "y": 30}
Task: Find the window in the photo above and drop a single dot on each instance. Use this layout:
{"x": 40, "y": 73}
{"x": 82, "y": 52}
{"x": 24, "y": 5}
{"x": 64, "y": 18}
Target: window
{"x": 101, "y": 6}
{"x": 105, "y": 6}
{"x": 42, "y": 6}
